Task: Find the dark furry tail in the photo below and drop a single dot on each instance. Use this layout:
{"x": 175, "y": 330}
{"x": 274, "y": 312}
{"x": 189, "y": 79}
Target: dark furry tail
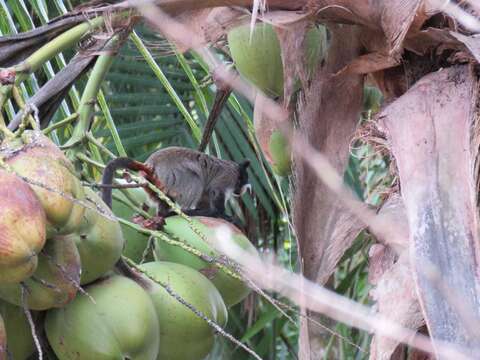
{"x": 109, "y": 172}
{"x": 120, "y": 163}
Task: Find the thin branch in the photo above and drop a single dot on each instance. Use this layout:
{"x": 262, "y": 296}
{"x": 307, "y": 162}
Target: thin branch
{"x": 28, "y": 315}
{"x": 114, "y": 186}
{"x": 60, "y": 123}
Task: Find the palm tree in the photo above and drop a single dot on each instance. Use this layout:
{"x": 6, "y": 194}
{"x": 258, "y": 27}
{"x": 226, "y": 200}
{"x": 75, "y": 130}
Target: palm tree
{"x": 415, "y": 157}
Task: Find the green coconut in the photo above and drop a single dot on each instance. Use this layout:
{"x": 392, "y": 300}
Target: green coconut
{"x": 184, "y": 335}
{"x": 19, "y": 335}
{"x": 135, "y": 242}
{"x": 280, "y": 153}
{"x": 20, "y": 241}
{"x": 233, "y": 290}
{"x": 257, "y": 55}
{"x": 55, "y": 281}
{"x": 52, "y": 179}
{"x": 121, "y": 324}
{"x": 99, "y": 240}
{"x": 258, "y": 58}
{"x": 41, "y": 145}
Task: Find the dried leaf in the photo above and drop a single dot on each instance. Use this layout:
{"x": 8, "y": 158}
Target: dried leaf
{"x": 433, "y": 40}
{"x": 264, "y": 127}
{"x": 369, "y": 63}
{"x": 381, "y": 258}
{"x": 395, "y": 289}
{"x": 281, "y": 18}
{"x": 391, "y": 82}
{"x": 394, "y": 208}
{"x": 396, "y": 18}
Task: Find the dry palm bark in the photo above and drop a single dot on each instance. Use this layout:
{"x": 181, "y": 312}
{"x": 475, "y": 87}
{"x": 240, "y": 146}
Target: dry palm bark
{"x": 442, "y": 221}
{"x": 394, "y": 292}
{"x": 328, "y": 115}
{"x": 431, "y": 129}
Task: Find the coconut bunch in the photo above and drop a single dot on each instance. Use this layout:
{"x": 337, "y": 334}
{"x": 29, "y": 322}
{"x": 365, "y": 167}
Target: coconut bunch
{"x": 257, "y": 55}
{"x": 59, "y": 246}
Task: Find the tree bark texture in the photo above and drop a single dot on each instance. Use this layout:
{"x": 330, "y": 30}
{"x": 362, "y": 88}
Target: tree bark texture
{"x": 433, "y": 132}
{"x": 328, "y": 115}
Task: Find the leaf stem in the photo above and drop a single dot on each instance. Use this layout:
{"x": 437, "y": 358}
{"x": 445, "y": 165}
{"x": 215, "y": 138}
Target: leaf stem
{"x": 197, "y": 133}
{"x": 99, "y": 145}
{"x": 60, "y": 123}
{"x": 86, "y": 159}
{"x": 111, "y": 124}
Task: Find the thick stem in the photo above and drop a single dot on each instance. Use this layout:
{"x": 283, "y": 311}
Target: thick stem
{"x": 87, "y": 102}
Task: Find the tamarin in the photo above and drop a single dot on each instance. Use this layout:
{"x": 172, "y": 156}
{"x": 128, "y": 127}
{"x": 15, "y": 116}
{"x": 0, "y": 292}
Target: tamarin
{"x": 198, "y": 182}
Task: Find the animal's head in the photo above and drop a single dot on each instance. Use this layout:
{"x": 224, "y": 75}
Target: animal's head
{"x": 242, "y": 184}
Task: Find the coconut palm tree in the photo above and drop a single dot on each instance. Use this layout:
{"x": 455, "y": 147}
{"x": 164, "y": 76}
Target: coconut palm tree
{"x": 411, "y": 156}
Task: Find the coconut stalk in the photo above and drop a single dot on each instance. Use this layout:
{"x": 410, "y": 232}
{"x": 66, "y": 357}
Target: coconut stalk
{"x": 87, "y": 102}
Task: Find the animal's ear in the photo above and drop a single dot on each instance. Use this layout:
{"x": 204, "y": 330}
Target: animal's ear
{"x": 245, "y": 163}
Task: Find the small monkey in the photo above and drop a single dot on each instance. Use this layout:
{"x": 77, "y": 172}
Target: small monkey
{"x": 201, "y": 184}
